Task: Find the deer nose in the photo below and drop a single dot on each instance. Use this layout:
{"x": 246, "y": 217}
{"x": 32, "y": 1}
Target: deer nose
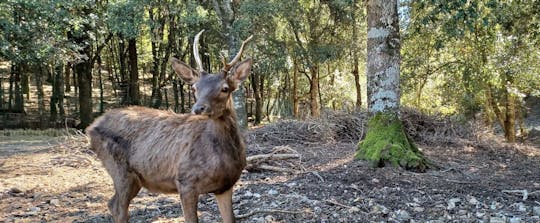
{"x": 198, "y": 109}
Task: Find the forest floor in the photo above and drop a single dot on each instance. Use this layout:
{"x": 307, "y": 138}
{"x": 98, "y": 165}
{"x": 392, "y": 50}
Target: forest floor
{"x": 479, "y": 179}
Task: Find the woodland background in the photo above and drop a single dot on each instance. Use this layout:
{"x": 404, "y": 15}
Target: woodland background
{"x": 62, "y": 63}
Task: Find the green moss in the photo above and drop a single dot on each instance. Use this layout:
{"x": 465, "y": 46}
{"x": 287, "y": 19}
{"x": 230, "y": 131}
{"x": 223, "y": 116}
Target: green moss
{"x": 387, "y": 142}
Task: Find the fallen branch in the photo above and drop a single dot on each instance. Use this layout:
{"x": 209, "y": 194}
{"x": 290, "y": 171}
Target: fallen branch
{"x": 273, "y": 168}
{"x": 338, "y": 204}
{"x": 525, "y": 193}
{"x": 264, "y": 157}
{"x": 259, "y": 211}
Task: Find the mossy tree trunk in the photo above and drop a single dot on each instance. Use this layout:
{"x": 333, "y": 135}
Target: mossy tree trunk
{"x": 386, "y": 140}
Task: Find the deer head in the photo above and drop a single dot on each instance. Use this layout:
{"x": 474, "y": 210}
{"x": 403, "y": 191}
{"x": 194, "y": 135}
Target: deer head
{"x": 213, "y": 91}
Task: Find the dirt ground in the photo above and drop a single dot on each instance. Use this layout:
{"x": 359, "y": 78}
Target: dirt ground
{"x": 45, "y": 179}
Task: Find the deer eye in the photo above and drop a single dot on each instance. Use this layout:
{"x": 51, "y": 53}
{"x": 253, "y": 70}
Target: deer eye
{"x": 225, "y": 89}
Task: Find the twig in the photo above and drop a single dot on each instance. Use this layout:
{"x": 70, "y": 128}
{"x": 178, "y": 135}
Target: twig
{"x": 524, "y": 193}
{"x": 338, "y": 204}
{"x": 259, "y": 211}
{"x": 459, "y": 182}
{"x": 317, "y": 175}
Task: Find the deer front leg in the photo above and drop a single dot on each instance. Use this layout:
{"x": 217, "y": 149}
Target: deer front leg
{"x": 224, "y": 201}
{"x": 189, "y": 199}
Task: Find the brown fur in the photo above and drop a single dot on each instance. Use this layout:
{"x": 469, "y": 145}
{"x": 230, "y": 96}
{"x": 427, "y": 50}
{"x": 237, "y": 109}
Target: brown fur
{"x": 166, "y": 152}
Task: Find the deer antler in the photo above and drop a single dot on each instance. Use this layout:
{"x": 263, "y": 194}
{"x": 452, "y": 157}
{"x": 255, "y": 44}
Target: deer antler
{"x": 227, "y": 66}
{"x": 196, "y": 51}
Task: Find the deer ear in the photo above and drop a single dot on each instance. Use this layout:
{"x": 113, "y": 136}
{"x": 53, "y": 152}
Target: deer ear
{"x": 188, "y": 74}
{"x": 241, "y": 72}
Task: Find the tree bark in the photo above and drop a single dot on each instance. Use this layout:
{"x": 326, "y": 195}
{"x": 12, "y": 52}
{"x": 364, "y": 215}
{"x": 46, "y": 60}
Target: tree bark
{"x": 386, "y": 140}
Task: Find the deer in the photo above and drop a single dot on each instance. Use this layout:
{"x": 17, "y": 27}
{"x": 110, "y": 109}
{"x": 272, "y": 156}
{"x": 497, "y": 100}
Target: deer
{"x": 189, "y": 154}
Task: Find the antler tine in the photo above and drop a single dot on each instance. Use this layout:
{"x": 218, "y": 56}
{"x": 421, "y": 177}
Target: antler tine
{"x": 196, "y": 51}
{"x": 227, "y": 66}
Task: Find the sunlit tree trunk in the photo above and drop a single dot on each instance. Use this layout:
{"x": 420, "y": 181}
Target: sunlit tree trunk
{"x": 386, "y": 140}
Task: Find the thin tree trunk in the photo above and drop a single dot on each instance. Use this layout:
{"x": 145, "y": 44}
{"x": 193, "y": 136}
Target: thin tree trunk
{"x": 100, "y": 78}
{"x": 38, "y": 75}
{"x": 67, "y": 77}
{"x": 255, "y": 78}
{"x": 133, "y": 86}
{"x": 295, "y": 90}
{"x": 358, "y": 87}
{"x": 123, "y": 85}
{"x": 314, "y": 91}
{"x": 510, "y": 120}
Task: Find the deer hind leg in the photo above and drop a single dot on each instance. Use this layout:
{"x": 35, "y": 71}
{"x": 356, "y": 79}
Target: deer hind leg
{"x": 224, "y": 201}
{"x": 126, "y": 186}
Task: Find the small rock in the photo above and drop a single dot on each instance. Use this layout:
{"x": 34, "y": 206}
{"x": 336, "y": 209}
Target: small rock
{"x": 536, "y": 210}
{"x": 494, "y": 205}
{"x": 515, "y": 220}
{"x": 317, "y": 210}
{"x": 248, "y": 194}
{"x": 33, "y": 211}
{"x": 497, "y": 220}
{"x": 480, "y": 214}
{"x": 520, "y": 207}
{"x": 419, "y": 209}
{"x": 272, "y": 192}
{"x": 462, "y": 212}
{"x": 293, "y": 184}
{"x": 354, "y": 209}
{"x": 375, "y": 180}
{"x": 472, "y": 200}
{"x": 15, "y": 190}
{"x": 452, "y": 203}
{"x": 256, "y": 195}
{"x": 335, "y": 215}
{"x": 55, "y": 202}
{"x": 403, "y": 215}
{"x": 379, "y": 209}
{"x": 269, "y": 218}
{"x": 36, "y": 209}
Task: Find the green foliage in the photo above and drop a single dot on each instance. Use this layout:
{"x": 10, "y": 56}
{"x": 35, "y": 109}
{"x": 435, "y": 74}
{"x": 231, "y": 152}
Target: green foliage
{"x": 464, "y": 56}
{"x": 125, "y": 17}
{"x": 387, "y": 142}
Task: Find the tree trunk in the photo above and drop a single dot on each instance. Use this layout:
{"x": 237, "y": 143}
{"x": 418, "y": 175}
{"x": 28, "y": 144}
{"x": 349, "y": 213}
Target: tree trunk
{"x": 123, "y": 85}
{"x": 100, "y": 78}
{"x": 314, "y": 91}
{"x": 67, "y": 76}
{"x": 358, "y": 87}
{"x": 133, "y": 86}
{"x": 510, "y": 119}
{"x": 295, "y": 90}
{"x": 225, "y": 11}
{"x": 38, "y": 75}
{"x": 83, "y": 71}
{"x": 255, "y": 79}
{"x": 386, "y": 140}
